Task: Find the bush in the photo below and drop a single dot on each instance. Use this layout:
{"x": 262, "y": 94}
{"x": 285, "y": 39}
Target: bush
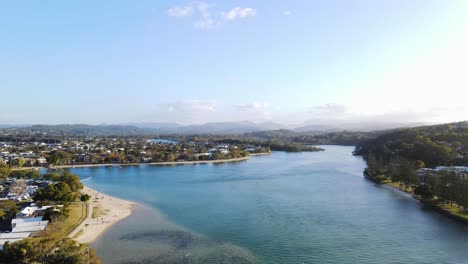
{"x": 85, "y": 197}
{"x": 55, "y": 216}
{"x": 423, "y": 191}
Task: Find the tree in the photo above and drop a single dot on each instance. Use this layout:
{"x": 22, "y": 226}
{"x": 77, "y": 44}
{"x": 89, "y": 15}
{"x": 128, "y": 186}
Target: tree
{"x": 70, "y": 251}
{"x": 59, "y": 192}
{"x": 46, "y": 251}
{"x": 33, "y": 174}
{"x": 85, "y": 197}
{"x": 8, "y": 208}
{"x": 21, "y": 161}
{"x": 72, "y": 180}
{"x": 59, "y": 157}
{"x": 51, "y": 176}
{"x": 17, "y": 174}
{"x": 4, "y": 171}
{"x": 170, "y": 157}
{"x": 420, "y": 164}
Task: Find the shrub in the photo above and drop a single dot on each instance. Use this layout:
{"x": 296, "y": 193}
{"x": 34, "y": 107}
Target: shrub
{"x": 85, "y": 197}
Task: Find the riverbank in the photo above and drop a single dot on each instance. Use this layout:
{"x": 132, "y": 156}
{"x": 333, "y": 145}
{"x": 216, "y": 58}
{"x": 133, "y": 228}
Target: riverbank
{"x": 103, "y": 212}
{"x": 151, "y": 163}
{"x": 137, "y": 164}
{"x": 260, "y": 154}
{"x": 440, "y": 208}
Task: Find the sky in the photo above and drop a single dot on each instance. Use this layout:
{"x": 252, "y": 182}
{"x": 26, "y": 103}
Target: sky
{"x": 291, "y": 62}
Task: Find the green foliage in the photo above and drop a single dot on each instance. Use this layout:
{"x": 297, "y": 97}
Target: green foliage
{"x": 55, "y": 216}
{"x": 170, "y": 157}
{"x": 448, "y": 185}
{"x": 46, "y": 251}
{"x": 71, "y": 180}
{"x": 85, "y": 197}
{"x": 17, "y": 174}
{"x": 8, "y": 208}
{"x": 429, "y": 146}
{"x": 291, "y": 147}
{"x": 33, "y": 174}
{"x": 424, "y": 191}
{"x": 51, "y": 176}
{"x": 59, "y": 157}
{"x": 4, "y": 171}
{"x": 21, "y": 174}
{"x": 60, "y": 192}
{"x": 402, "y": 170}
{"x": 396, "y": 156}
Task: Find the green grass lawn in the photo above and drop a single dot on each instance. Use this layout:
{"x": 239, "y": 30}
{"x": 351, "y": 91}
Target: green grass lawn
{"x": 455, "y": 210}
{"x": 77, "y": 213}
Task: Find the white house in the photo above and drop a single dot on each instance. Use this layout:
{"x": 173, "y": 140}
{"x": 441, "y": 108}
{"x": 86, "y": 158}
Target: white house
{"x": 30, "y": 211}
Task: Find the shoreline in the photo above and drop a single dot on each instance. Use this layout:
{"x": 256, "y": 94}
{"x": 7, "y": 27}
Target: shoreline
{"x": 164, "y": 163}
{"x": 103, "y": 212}
{"x": 260, "y": 154}
{"x": 435, "y": 207}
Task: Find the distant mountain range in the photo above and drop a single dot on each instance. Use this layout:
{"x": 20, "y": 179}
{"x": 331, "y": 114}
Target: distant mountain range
{"x": 207, "y": 128}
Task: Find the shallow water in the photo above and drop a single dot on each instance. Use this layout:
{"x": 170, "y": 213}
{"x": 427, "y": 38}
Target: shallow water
{"x": 282, "y": 208}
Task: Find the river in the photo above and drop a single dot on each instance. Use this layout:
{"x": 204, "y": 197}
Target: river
{"x": 310, "y": 207}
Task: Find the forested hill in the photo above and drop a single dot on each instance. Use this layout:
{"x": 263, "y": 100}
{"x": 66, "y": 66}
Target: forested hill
{"x": 76, "y": 130}
{"x": 347, "y": 138}
{"x": 434, "y": 145}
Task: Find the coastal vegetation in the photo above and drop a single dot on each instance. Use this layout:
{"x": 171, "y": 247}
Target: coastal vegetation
{"x": 43, "y": 250}
{"x": 272, "y": 145}
{"x": 410, "y": 159}
{"x": 50, "y": 246}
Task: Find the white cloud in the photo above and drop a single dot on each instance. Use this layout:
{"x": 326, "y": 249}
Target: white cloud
{"x": 206, "y": 18}
{"x": 181, "y": 11}
{"x": 239, "y": 12}
{"x": 287, "y": 12}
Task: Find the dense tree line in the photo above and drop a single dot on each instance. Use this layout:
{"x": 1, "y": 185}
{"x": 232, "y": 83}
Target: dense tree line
{"x": 267, "y": 146}
{"x": 397, "y": 156}
{"x": 434, "y": 145}
{"x": 43, "y": 250}
{"x": 64, "y": 188}
{"x": 446, "y": 186}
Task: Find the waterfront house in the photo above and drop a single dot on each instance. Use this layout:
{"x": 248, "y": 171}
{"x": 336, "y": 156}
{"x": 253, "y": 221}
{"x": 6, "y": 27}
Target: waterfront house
{"x": 33, "y": 211}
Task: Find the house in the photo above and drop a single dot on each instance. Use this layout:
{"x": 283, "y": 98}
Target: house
{"x": 33, "y": 211}
{"x": 31, "y": 189}
{"x": 29, "y": 229}
{"x": 87, "y": 158}
{"x": 25, "y": 220}
{"x": 424, "y": 173}
{"x": 18, "y": 235}
{"x": 41, "y": 161}
{"x": 23, "y": 228}
{"x": 9, "y": 240}
{"x": 26, "y": 224}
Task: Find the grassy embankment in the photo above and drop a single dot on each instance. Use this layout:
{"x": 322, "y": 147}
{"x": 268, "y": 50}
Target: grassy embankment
{"x": 77, "y": 213}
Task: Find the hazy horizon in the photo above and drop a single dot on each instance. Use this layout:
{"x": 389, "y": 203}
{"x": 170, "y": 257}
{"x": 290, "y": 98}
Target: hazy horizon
{"x": 193, "y": 62}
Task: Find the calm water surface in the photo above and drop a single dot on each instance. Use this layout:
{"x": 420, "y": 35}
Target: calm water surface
{"x": 282, "y": 208}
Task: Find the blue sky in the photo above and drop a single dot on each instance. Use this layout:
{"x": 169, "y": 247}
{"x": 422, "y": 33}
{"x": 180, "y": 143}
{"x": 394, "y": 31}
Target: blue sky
{"x": 201, "y": 61}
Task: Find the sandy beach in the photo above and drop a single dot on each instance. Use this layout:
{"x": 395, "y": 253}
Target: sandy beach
{"x": 103, "y": 212}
